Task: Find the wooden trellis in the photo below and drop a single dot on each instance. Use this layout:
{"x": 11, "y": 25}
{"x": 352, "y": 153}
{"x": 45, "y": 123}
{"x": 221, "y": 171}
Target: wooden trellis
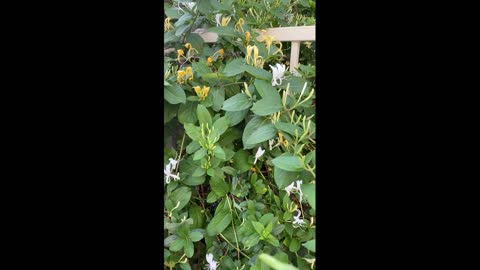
{"x": 295, "y": 34}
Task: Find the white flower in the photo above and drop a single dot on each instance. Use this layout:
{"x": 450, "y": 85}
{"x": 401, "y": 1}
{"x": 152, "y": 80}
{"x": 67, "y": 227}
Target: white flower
{"x": 190, "y": 5}
{"x": 297, "y": 221}
{"x": 218, "y": 17}
{"x": 270, "y": 144}
{"x": 278, "y": 73}
{"x": 258, "y": 154}
{"x": 173, "y": 162}
{"x": 290, "y": 188}
{"x": 299, "y": 182}
{"x": 168, "y": 172}
{"x": 212, "y": 265}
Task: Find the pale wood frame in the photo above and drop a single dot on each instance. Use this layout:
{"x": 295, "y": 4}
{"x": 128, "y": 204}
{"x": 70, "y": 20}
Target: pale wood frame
{"x": 295, "y": 34}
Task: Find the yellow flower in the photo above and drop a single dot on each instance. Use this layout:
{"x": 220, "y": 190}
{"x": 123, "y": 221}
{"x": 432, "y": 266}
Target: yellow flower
{"x": 202, "y": 93}
{"x": 180, "y": 53}
{"x": 180, "y": 76}
{"x": 188, "y": 46}
{"x": 197, "y": 90}
{"x": 221, "y": 52}
{"x": 256, "y": 60}
{"x": 247, "y": 37}
{"x": 189, "y": 73}
{"x": 168, "y": 26}
{"x": 209, "y": 60}
{"x": 267, "y": 39}
{"x": 239, "y": 25}
{"x": 225, "y": 21}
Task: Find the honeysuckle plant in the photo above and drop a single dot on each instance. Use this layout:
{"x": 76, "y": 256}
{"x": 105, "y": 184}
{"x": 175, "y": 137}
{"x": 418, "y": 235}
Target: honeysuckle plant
{"x": 239, "y": 155}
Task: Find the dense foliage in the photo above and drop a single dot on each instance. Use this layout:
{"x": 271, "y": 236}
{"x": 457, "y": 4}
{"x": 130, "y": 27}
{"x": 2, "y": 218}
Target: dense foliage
{"x": 239, "y": 138}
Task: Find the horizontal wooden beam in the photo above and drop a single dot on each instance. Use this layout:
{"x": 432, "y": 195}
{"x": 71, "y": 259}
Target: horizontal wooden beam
{"x": 294, "y": 33}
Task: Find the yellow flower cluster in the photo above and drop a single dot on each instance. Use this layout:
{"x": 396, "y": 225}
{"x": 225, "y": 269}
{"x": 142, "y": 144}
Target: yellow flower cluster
{"x": 239, "y": 25}
{"x": 202, "y": 93}
{"x": 255, "y": 60}
{"x": 167, "y": 25}
{"x": 184, "y": 75}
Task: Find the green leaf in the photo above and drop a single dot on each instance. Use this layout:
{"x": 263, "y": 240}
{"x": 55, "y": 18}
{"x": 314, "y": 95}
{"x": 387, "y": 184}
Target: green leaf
{"x": 212, "y": 197}
{"x": 201, "y": 68}
{"x": 195, "y": 236}
{"x": 223, "y": 31}
{"x": 309, "y": 193}
{"x": 267, "y": 106}
{"x": 258, "y": 73}
{"x": 199, "y": 154}
{"x": 172, "y": 12}
{"x": 273, "y": 240}
{"x": 240, "y": 161}
{"x": 258, "y": 227}
{"x": 217, "y": 78}
{"x": 196, "y": 41}
{"x": 195, "y": 212}
{"x": 288, "y": 163}
{"x": 181, "y": 195}
{"x": 283, "y": 178}
{"x": 310, "y": 245}
{"x": 261, "y": 134}
{"x": 294, "y": 245}
{"x": 185, "y": 17}
{"x": 203, "y": 115}
{"x": 251, "y": 126}
{"x": 219, "y": 186}
{"x": 169, "y": 240}
{"x": 220, "y": 126}
{"x": 180, "y": 30}
{"x": 174, "y": 94}
{"x": 186, "y": 113}
{"x": 177, "y": 244}
{"x": 288, "y": 128}
{"x": 166, "y": 83}
{"x": 192, "y": 147}
{"x": 188, "y": 248}
{"x": 229, "y": 170}
{"x": 185, "y": 266}
{"x": 169, "y": 37}
{"x": 219, "y": 223}
{"x": 266, "y": 90}
{"x": 218, "y": 97}
{"x": 235, "y": 67}
{"x": 194, "y": 181}
{"x": 274, "y": 263}
{"x": 237, "y": 103}
{"x": 218, "y": 152}
{"x": 236, "y": 117}
{"x": 199, "y": 171}
{"x": 193, "y": 132}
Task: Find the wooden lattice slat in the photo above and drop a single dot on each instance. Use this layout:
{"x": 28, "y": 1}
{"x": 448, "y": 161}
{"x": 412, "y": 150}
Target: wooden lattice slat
{"x": 295, "y": 34}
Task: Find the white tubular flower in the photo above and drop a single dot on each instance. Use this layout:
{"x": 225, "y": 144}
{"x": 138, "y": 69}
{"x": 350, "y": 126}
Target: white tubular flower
{"x": 218, "y": 18}
{"x": 173, "y": 162}
{"x": 258, "y": 154}
{"x": 299, "y": 182}
{"x": 190, "y": 5}
{"x": 270, "y": 144}
{"x": 290, "y": 188}
{"x": 212, "y": 265}
{"x": 278, "y": 74}
{"x": 297, "y": 221}
{"x": 168, "y": 172}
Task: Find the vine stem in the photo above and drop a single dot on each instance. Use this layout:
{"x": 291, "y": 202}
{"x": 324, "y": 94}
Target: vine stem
{"x": 181, "y": 149}
{"x": 224, "y": 238}
{"x": 233, "y": 225}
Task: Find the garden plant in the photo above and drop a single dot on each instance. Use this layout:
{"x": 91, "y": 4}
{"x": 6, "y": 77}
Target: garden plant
{"x": 239, "y": 155}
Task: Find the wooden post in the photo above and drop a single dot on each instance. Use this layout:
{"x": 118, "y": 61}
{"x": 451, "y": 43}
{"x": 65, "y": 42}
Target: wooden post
{"x": 294, "y": 55}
